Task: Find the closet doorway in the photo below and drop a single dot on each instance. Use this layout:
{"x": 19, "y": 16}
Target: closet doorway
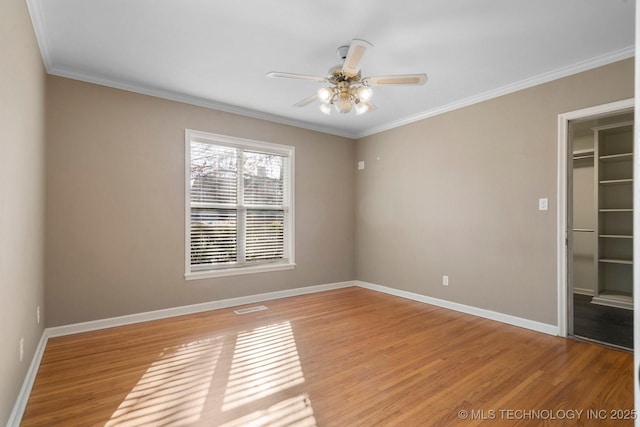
{"x": 600, "y": 228}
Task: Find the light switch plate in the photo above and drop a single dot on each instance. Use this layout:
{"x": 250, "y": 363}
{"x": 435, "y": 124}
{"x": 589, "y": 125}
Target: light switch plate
{"x": 543, "y": 204}
{"x": 361, "y": 165}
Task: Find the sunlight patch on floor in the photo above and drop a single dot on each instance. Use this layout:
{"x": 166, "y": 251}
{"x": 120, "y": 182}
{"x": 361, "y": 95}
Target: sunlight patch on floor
{"x": 295, "y": 411}
{"x": 174, "y": 388}
{"x": 265, "y": 362}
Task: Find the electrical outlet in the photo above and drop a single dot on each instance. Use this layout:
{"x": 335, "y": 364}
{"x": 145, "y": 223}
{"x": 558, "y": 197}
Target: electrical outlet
{"x": 445, "y": 280}
{"x": 38, "y": 314}
{"x": 21, "y": 349}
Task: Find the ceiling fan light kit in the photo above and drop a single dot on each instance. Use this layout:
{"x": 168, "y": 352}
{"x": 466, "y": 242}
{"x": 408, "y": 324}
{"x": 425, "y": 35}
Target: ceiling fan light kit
{"x": 349, "y": 90}
{"x": 344, "y": 96}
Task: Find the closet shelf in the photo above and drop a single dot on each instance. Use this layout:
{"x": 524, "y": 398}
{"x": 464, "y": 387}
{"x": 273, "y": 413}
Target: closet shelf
{"x": 610, "y": 246}
{"x": 586, "y": 151}
{"x": 614, "y": 299}
{"x": 584, "y": 230}
{"x": 616, "y": 261}
{"x": 616, "y": 157}
{"x": 618, "y": 294}
{"x": 617, "y": 181}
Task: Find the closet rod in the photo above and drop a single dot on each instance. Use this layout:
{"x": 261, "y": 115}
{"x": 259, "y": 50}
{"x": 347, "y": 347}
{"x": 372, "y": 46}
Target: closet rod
{"x": 584, "y": 230}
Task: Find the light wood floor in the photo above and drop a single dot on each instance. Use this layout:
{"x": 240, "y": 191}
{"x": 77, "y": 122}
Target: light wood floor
{"x": 350, "y": 357}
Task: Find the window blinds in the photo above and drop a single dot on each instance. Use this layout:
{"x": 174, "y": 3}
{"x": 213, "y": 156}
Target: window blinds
{"x": 238, "y": 206}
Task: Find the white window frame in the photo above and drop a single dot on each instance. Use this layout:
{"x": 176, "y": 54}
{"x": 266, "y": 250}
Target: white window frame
{"x": 289, "y": 240}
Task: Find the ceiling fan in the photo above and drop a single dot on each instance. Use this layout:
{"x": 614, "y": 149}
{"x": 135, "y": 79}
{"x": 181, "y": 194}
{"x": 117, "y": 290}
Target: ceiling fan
{"x": 348, "y": 88}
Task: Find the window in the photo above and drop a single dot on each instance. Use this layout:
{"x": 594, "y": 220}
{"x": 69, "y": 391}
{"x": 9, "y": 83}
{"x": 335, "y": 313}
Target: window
{"x": 239, "y": 206}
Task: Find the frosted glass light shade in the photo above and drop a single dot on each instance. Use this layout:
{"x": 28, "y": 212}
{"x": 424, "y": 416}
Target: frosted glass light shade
{"x": 325, "y": 108}
{"x": 365, "y": 93}
{"x": 343, "y": 105}
{"x": 361, "y": 108}
{"x": 325, "y": 94}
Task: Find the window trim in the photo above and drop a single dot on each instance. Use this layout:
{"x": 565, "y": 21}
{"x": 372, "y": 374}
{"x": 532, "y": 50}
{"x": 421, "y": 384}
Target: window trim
{"x": 242, "y": 143}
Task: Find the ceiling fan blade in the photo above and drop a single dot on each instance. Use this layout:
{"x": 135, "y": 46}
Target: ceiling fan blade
{"x": 398, "y": 79}
{"x": 306, "y": 101}
{"x": 279, "y": 75}
{"x": 351, "y": 65}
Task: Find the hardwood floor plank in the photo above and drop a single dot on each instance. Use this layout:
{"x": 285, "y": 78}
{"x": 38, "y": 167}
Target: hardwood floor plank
{"x": 345, "y": 357}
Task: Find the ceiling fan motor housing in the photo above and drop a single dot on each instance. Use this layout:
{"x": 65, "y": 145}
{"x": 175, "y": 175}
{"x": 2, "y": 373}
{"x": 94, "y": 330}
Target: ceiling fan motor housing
{"x": 337, "y": 75}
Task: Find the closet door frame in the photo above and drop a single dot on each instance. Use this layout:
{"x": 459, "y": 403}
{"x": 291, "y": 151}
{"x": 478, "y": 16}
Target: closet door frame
{"x": 563, "y": 180}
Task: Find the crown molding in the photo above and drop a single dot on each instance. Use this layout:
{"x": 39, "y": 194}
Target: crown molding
{"x": 197, "y": 101}
{"x": 41, "y": 31}
{"x": 609, "y": 58}
{"x": 592, "y": 63}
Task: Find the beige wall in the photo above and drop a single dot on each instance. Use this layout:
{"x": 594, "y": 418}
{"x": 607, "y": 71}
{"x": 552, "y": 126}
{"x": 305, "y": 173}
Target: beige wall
{"x": 115, "y": 210}
{"x": 22, "y": 80}
{"x": 451, "y": 195}
{"x": 457, "y": 195}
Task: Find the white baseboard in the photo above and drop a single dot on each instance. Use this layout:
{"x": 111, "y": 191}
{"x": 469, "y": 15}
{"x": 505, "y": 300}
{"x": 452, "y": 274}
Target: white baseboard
{"x": 23, "y": 396}
{"x": 480, "y": 312}
{"x": 583, "y": 291}
{"x": 612, "y": 302}
{"x": 251, "y": 299}
{"x": 95, "y": 325}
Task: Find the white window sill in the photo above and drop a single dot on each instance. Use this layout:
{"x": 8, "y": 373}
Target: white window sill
{"x": 237, "y": 271}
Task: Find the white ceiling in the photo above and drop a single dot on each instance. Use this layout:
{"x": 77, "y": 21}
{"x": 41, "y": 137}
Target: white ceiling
{"x": 216, "y": 53}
